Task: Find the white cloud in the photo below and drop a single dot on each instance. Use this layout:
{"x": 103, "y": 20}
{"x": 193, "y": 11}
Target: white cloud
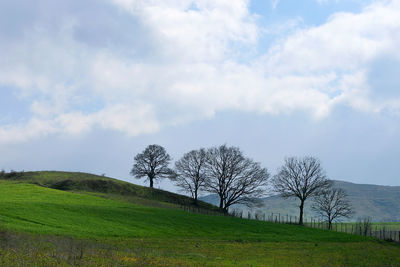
{"x": 197, "y": 30}
{"x": 21, "y": 133}
{"x": 345, "y": 45}
{"x": 131, "y": 120}
{"x": 345, "y": 42}
{"x": 198, "y": 57}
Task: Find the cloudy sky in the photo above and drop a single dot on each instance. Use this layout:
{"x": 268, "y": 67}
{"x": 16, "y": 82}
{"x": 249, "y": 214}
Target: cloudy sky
{"x": 86, "y": 85}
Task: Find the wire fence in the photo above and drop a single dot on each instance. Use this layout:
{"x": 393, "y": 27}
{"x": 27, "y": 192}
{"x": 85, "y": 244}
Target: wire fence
{"x": 205, "y": 211}
{"x": 363, "y": 227}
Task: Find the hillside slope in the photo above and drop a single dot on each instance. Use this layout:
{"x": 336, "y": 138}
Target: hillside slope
{"x": 43, "y": 210}
{"x": 381, "y": 203}
{"x": 41, "y": 226}
{"x": 105, "y": 187}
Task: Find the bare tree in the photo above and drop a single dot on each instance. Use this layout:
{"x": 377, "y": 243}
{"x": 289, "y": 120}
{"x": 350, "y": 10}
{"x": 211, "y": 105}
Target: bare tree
{"x": 235, "y": 178}
{"x": 152, "y": 163}
{"x": 190, "y": 170}
{"x": 301, "y": 178}
{"x": 332, "y": 204}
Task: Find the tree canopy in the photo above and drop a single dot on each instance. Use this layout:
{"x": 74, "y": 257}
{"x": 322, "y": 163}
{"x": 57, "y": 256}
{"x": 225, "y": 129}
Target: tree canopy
{"x": 191, "y": 172}
{"x": 152, "y": 163}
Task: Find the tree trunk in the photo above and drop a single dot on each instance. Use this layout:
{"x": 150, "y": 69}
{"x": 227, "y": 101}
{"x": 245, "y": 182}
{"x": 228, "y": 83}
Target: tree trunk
{"x": 195, "y": 198}
{"x": 221, "y": 203}
{"x": 330, "y": 225}
{"x": 301, "y": 212}
{"x": 151, "y": 176}
{"x": 226, "y": 209}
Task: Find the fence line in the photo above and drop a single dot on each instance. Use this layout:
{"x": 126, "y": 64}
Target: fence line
{"x": 364, "y": 228}
{"x": 203, "y": 211}
{"x": 359, "y": 228}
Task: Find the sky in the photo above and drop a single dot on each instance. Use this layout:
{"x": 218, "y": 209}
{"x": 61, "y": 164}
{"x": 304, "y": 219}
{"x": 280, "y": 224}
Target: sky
{"x": 87, "y": 85}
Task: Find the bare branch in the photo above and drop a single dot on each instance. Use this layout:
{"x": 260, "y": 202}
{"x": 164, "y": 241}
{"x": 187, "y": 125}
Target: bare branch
{"x": 301, "y": 178}
{"x": 332, "y": 204}
{"x": 190, "y": 171}
{"x": 233, "y": 177}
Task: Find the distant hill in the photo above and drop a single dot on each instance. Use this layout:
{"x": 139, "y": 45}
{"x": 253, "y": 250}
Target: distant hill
{"x": 381, "y": 203}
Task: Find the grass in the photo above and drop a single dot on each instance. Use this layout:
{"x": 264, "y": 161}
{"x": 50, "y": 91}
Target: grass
{"x": 105, "y": 187}
{"x": 37, "y": 250}
{"x": 48, "y": 227}
{"x": 36, "y": 209}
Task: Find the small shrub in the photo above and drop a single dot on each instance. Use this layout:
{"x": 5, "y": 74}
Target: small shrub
{"x": 12, "y": 175}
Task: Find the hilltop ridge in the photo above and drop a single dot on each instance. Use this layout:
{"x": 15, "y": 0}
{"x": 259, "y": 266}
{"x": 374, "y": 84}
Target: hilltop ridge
{"x": 105, "y": 187}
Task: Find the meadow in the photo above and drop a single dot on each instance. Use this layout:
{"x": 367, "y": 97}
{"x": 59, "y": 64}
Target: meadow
{"x": 42, "y": 226}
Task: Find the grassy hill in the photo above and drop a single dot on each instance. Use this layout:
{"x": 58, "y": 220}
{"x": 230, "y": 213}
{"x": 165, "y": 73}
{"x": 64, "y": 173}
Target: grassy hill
{"x": 380, "y": 203}
{"x": 105, "y": 187}
{"x": 43, "y": 226}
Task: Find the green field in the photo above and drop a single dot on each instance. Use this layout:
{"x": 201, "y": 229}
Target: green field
{"x": 42, "y": 226}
